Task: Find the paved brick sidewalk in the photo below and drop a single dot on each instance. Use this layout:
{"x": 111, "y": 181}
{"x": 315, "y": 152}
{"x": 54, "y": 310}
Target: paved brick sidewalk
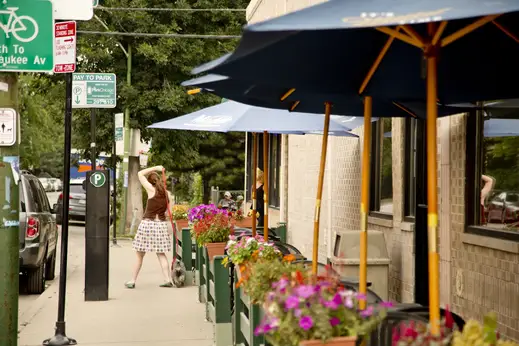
{"x": 148, "y": 315}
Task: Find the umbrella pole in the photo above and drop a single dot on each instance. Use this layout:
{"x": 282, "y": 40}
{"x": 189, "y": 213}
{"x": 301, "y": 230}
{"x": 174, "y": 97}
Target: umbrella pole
{"x": 364, "y": 200}
{"x": 266, "y": 185}
{"x": 254, "y": 178}
{"x": 324, "y": 148}
{"x": 432, "y": 193}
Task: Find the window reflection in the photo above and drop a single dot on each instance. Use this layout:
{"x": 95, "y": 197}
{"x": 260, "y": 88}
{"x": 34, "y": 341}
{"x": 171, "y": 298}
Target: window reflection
{"x": 386, "y": 174}
{"x": 499, "y": 186}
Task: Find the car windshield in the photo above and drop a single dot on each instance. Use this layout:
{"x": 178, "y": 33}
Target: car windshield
{"x": 512, "y": 197}
{"x": 76, "y": 188}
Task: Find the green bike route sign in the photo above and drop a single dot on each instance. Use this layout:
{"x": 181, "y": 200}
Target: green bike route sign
{"x": 26, "y": 36}
{"x": 94, "y": 90}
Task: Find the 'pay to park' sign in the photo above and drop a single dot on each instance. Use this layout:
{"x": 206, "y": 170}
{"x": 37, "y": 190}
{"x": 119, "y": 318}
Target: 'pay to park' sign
{"x": 94, "y": 90}
{"x": 26, "y": 36}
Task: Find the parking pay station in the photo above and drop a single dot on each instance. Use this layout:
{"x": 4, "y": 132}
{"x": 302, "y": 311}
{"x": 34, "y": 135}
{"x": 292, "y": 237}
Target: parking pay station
{"x": 97, "y": 235}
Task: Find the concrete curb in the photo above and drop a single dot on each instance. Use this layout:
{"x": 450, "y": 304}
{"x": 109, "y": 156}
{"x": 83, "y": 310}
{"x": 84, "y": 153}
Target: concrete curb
{"x": 38, "y": 304}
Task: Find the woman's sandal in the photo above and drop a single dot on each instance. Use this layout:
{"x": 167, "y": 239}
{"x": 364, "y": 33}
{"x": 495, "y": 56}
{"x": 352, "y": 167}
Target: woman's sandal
{"x": 130, "y": 285}
{"x": 167, "y": 284}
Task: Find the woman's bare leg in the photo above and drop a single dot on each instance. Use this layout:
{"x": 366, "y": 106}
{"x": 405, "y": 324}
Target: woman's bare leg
{"x": 138, "y": 265}
{"x": 164, "y": 264}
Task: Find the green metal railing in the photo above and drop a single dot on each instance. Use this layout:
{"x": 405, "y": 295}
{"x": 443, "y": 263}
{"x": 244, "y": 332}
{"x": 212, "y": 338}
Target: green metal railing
{"x": 218, "y": 302}
{"x": 183, "y": 251}
{"x": 246, "y": 318}
{"x": 201, "y": 276}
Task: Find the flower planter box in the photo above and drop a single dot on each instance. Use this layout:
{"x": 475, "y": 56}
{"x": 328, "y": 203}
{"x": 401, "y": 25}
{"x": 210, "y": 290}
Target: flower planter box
{"x": 181, "y": 224}
{"x": 244, "y": 223}
{"x": 215, "y": 249}
{"x": 339, "y": 341}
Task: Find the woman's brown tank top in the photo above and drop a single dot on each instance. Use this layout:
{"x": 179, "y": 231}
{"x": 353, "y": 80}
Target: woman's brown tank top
{"x": 156, "y": 207}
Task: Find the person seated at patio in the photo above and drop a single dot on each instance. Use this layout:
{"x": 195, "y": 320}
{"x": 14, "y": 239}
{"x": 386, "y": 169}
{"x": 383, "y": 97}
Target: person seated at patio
{"x": 227, "y": 202}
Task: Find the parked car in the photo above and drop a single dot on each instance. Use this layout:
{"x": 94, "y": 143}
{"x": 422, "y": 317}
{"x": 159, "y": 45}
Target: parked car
{"x": 47, "y": 185}
{"x": 55, "y": 184}
{"x": 38, "y": 234}
{"x": 504, "y": 207}
{"x": 77, "y": 202}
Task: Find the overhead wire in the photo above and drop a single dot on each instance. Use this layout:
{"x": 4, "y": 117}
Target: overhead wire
{"x": 142, "y": 34}
{"x": 162, "y": 9}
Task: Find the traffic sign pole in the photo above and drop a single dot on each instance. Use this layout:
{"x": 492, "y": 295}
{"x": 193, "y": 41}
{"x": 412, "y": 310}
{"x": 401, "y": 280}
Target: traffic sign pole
{"x": 9, "y": 229}
{"x": 60, "y": 337}
{"x": 93, "y": 137}
{"x": 126, "y": 144}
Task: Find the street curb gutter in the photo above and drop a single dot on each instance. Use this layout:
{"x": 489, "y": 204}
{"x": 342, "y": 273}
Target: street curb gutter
{"x": 37, "y": 305}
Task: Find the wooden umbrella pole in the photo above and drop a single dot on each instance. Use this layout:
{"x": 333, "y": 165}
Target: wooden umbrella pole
{"x": 320, "y": 182}
{"x": 432, "y": 197}
{"x": 364, "y": 200}
{"x": 254, "y": 178}
{"x": 266, "y": 185}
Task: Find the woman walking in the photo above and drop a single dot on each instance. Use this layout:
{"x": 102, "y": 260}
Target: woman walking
{"x": 260, "y": 198}
{"x": 153, "y": 234}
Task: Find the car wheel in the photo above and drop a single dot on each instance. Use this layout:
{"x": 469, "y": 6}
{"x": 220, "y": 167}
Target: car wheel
{"x": 50, "y": 268}
{"x": 36, "y": 279}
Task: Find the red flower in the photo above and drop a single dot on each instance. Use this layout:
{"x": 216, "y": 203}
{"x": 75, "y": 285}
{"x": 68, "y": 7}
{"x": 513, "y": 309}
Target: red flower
{"x": 449, "y": 321}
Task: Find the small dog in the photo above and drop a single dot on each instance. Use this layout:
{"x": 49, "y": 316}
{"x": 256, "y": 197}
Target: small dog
{"x": 178, "y": 274}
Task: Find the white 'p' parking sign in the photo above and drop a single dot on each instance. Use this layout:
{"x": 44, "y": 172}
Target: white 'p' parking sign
{"x": 98, "y": 179}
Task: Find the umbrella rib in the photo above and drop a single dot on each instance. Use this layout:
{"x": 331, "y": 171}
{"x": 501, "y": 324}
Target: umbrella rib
{"x": 376, "y": 63}
{"x": 404, "y": 109}
{"x": 413, "y": 34}
{"x": 402, "y": 37}
{"x": 287, "y": 94}
{"x": 506, "y": 31}
{"x": 468, "y": 29}
{"x": 438, "y": 34}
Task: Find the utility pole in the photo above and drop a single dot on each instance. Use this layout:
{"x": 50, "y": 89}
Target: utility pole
{"x": 126, "y": 144}
{"x": 10, "y": 227}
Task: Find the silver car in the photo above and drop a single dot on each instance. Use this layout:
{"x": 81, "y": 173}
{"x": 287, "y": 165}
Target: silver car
{"x": 77, "y": 202}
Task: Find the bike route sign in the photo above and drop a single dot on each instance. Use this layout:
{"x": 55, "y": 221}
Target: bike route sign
{"x": 26, "y": 36}
{"x": 94, "y": 90}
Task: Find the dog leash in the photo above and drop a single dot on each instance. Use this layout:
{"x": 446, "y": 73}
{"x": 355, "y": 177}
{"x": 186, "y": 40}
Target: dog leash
{"x": 173, "y": 226}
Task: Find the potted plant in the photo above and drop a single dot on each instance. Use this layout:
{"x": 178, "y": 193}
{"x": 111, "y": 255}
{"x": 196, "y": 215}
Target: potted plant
{"x": 475, "y": 333}
{"x": 262, "y": 274}
{"x": 212, "y": 231}
{"x": 179, "y": 214}
{"x": 247, "y": 250}
{"x": 305, "y": 310}
{"x": 240, "y": 220}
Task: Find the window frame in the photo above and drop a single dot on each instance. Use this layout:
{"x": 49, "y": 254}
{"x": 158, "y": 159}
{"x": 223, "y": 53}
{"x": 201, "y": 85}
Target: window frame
{"x": 377, "y": 137}
{"x": 473, "y": 171}
{"x": 275, "y": 171}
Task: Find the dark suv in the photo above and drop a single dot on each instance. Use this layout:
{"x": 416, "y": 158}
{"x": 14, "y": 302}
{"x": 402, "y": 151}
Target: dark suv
{"x": 38, "y": 234}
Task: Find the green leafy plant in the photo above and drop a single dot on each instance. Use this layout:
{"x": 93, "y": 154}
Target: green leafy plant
{"x": 486, "y": 334}
{"x": 304, "y": 307}
{"x": 179, "y": 212}
{"x": 248, "y": 249}
{"x": 263, "y": 273}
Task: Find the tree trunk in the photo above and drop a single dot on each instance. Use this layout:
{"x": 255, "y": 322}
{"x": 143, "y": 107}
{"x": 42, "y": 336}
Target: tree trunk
{"x": 207, "y": 190}
{"x": 134, "y": 194}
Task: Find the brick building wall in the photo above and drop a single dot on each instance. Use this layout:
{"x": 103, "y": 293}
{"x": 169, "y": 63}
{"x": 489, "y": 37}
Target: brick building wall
{"x": 478, "y": 274}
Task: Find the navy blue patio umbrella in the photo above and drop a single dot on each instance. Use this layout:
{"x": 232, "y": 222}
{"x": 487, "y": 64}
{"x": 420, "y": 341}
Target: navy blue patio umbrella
{"x": 468, "y": 50}
{"x": 234, "y": 116}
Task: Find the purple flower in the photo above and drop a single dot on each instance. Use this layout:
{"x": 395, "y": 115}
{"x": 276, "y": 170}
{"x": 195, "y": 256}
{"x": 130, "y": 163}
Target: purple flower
{"x": 292, "y": 302}
{"x": 305, "y": 291}
{"x": 387, "y": 304}
{"x": 360, "y": 296}
{"x": 306, "y": 322}
{"x": 297, "y": 313}
{"x": 367, "y": 312}
{"x": 348, "y": 302}
{"x": 262, "y": 329}
{"x": 334, "y": 302}
{"x": 281, "y": 284}
{"x": 334, "y": 321}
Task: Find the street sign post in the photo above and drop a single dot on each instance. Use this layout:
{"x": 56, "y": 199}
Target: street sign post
{"x": 7, "y": 127}
{"x": 94, "y": 90}
{"x": 65, "y": 47}
{"x": 119, "y": 133}
{"x": 73, "y": 9}
{"x": 27, "y": 41}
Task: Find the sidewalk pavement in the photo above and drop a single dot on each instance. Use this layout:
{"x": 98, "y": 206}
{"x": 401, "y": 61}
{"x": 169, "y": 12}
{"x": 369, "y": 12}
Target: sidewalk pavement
{"x": 148, "y": 315}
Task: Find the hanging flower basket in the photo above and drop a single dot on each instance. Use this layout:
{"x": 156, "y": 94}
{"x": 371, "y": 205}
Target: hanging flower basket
{"x": 339, "y": 341}
{"x": 244, "y": 223}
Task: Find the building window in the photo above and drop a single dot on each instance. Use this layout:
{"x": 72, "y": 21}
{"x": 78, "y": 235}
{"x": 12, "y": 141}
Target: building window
{"x": 492, "y": 167}
{"x": 381, "y": 199}
{"x": 411, "y": 142}
{"x": 274, "y": 170}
